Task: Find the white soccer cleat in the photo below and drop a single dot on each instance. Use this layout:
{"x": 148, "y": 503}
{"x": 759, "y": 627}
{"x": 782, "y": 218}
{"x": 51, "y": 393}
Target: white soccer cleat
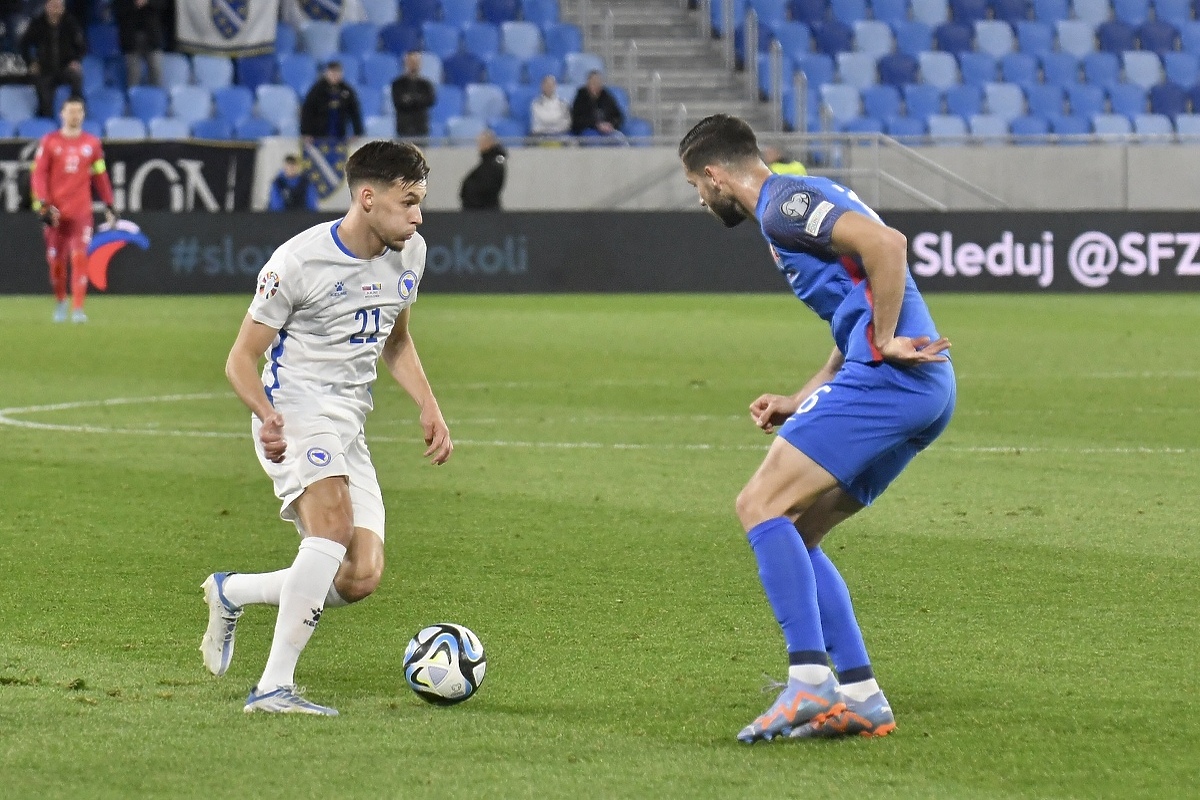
{"x": 217, "y": 644}
{"x": 77, "y": 316}
{"x": 285, "y": 700}
{"x": 60, "y": 311}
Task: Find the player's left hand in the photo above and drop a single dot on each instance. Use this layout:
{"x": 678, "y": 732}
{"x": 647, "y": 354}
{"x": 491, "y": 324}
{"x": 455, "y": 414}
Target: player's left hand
{"x": 110, "y": 215}
{"x": 905, "y": 351}
{"x": 437, "y": 435}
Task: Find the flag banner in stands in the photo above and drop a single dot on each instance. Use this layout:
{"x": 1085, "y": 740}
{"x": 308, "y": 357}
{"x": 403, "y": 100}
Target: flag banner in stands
{"x": 299, "y": 13}
{"x": 669, "y": 251}
{"x": 151, "y": 176}
{"x": 226, "y": 27}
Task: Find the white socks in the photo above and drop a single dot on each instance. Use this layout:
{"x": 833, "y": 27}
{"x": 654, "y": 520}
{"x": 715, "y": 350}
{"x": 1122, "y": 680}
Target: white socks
{"x": 860, "y": 690}
{"x": 266, "y": 587}
{"x": 301, "y": 601}
{"x": 809, "y": 673}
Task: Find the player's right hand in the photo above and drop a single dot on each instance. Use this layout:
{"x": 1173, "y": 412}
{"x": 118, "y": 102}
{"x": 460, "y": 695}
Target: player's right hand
{"x": 770, "y": 410}
{"x": 271, "y": 437}
{"x": 50, "y": 216}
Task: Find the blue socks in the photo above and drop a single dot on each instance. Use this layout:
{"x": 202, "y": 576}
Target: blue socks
{"x": 843, "y": 639}
{"x": 787, "y": 577}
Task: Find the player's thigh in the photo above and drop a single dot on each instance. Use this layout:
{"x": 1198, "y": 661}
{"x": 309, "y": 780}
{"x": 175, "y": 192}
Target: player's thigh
{"x": 785, "y": 484}
{"x": 828, "y": 511}
{"x": 324, "y": 509}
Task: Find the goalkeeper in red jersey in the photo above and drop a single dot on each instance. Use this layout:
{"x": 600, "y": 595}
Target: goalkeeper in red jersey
{"x": 68, "y": 164}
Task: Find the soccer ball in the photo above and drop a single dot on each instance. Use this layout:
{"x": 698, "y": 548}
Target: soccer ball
{"x": 444, "y": 663}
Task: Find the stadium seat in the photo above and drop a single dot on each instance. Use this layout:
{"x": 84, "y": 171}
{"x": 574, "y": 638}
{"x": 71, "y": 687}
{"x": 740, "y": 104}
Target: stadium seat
{"x": 511, "y": 131}
{"x": 889, "y": 11}
{"x": 1169, "y": 99}
{"x": 1181, "y": 68}
{"x": 1175, "y": 12}
{"x": 503, "y": 70}
{"x": 177, "y": 69}
{"x": 103, "y": 40}
{"x": 1103, "y": 69}
{"x": 1153, "y": 125}
{"x": 93, "y": 72}
{"x": 1094, "y": 12}
{"x": 968, "y": 12}
{"x": 379, "y": 69}
{"x": 464, "y": 130}
{"x": 320, "y": 40}
{"x": 931, "y": 12}
{"x": 124, "y": 128}
{"x": 17, "y": 102}
{"x": 359, "y": 37}
{"x": 460, "y": 13}
{"x": 1051, "y": 11}
{"x": 857, "y": 69}
{"x": 519, "y": 100}
{"x": 299, "y": 71}
{"x": 832, "y": 37}
{"x": 213, "y": 72}
{"x": 1115, "y": 36}
{"x": 1132, "y": 12}
{"x": 947, "y": 128}
{"x": 862, "y": 125}
{"x": 544, "y": 12}
{"x": 1085, "y": 99}
{"x": 540, "y": 66}
{"x": 976, "y": 68}
{"x": 897, "y": 69}
{"x": 61, "y": 94}
{"x": 440, "y": 39}
{"x": 35, "y": 127}
{"x": 1005, "y": 100}
{"x": 521, "y": 39}
{"x": 1060, "y": 69}
{"x": 771, "y": 13}
{"x": 278, "y": 104}
{"x": 381, "y": 12}
{"x": 913, "y": 37}
{"x": 848, "y": 12}
{"x": 253, "y": 71}
{"x": 497, "y": 11}
{"x": 1070, "y": 125}
{"x": 1035, "y": 38}
{"x": 808, "y": 11}
{"x": 995, "y": 37}
{"x": 374, "y": 100}
{"x": 398, "y": 38}
{"x": 253, "y": 128}
{"x": 148, "y": 102}
{"x": 578, "y": 65}
{"x": 795, "y": 39}
{"x": 904, "y": 127}
{"x": 1193, "y": 95}
{"x": 449, "y": 103}
{"x": 192, "y": 103}
{"x": 1142, "y": 67}
{"x": 1045, "y": 100}
{"x": 1128, "y": 99}
{"x": 418, "y": 12}
{"x": 233, "y": 103}
{"x": 286, "y": 39}
{"x": 881, "y": 102}
{"x": 1111, "y": 125}
{"x": 216, "y": 129}
{"x": 463, "y": 68}
{"x": 107, "y": 102}
{"x": 922, "y": 100}
{"x": 482, "y": 39}
{"x": 843, "y": 101}
{"x": 1188, "y": 125}
{"x": 954, "y": 37}
{"x": 168, "y": 128}
{"x": 638, "y": 128}
{"x": 1029, "y": 126}
{"x": 873, "y": 37}
{"x": 485, "y": 101}
{"x": 1189, "y": 37}
{"x": 1076, "y": 37}
{"x": 964, "y": 100}
{"x": 1011, "y": 11}
{"x": 563, "y": 38}
{"x": 1158, "y": 36}
{"x": 989, "y": 128}
{"x": 718, "y": 20}
{"x": 1020, "y": 68}
{"x": 817, "y": 68}
{"x": 431, "y": 68}
{"x": 351, "y": 67}
{"x": 379, "y": 127}
{"x": 939, "y": 69}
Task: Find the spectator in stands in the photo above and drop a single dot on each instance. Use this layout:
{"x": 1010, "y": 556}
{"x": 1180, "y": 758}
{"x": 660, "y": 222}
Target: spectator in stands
{"x": 481, "y": 188}
{"x": 413, "y": 96}
{"x": 595, "y": 111}
{"x": 292, "y": 190}
{"x": 549, "y": 115}
{"x": 780, "y": 163}
{"x": 14, "y": 17}
{"x": 53, "y": 47}
{"x": 331, "y": 108}
{"x": 140, "y": 24}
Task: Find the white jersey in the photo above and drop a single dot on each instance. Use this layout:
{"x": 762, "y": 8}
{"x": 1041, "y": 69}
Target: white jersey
{"x": 333, "y": 312}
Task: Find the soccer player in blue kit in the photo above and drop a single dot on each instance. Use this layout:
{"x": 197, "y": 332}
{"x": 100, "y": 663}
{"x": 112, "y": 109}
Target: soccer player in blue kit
{"x": 886, "y": 392}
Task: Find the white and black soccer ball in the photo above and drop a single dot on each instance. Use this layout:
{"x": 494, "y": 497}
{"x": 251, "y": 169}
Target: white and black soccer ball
{"x": 444, "y": 663}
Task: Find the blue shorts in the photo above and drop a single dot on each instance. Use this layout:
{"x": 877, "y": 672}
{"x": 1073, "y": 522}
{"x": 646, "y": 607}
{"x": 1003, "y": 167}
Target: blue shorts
{"x": 866, "y": 424}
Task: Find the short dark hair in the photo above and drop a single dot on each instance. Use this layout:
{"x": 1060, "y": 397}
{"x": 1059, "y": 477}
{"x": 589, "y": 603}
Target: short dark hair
{"x": 75, "y": 99}
{"x": 333, "y": 64}
{"x": 718, "y": 139}
{"x": 290, "y": 159}
{"x": 386, "y": 162}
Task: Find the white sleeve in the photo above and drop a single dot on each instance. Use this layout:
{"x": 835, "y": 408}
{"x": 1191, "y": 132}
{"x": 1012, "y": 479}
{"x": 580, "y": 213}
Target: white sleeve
{"x": 278, "y": 292}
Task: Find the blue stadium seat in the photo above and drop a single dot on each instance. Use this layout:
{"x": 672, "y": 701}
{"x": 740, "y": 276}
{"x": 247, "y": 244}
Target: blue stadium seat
{"x": 168, "y": 128}
{"x": 1085, "y": 99}
{"x": 61, "y": 93}
{"x": 976, "y": 68}
{"x": 1133, "y": 12}
{"x": 431, "y": 68}
{"x": 940, "y": 69}
{"x": 808, "y": 11}
{"x": 253, "y": 128}
{"x": 216, "y": 129}
{"x": 253, "y": 71}
{"x": 379, "y": 127}
{"x": 399, "y": 38}
{"x": 521, "y": 39}
{"x": 148, "y": 102}
{"x": 1188, "y": 125}
{"x": 1182, "y": 68}
{"x": 418, "y": 12}
{"x": 124, "y": 128}
{"x": 954, "y": 37}
{"x": 843, "y": 101}
{"x": 177, "y": 69}
{"x": 93, "y": 72}
{"x": 989, "y": 128}
{"x": 497, "y": 11}
{"x": 520, "y": 98}
{"x": 371, "y": 100}
{"x": 192, "y": 103}
{"x": 904, "y": 127}
{"x": 440, "y": 39}
{"x": 1036, "y": 38}
{"x": 298, "y": 70}
{"x": 881, "y": 102}
{"x": 351, "y": 67}
{"x": 1175, "y": 12}
{"x": 995, "y": 37}
{"x": 1115, "y": 36}
{"x": 964, "y": 100}
{"x": 1142, "y": 67}
{"x": 359, "y": 37}
{"x": 1045, "y": 100}
{"x": 1106, "y": 125}
{"x": 922, "y": 100}
{"x": 1011, "y": 11}
{"x": 862, "y": 125}
{"x": 1153, "y": 125}
{"x": 17, "y": 102}
{"x": 1005, "y": 100}
{"x": 832, "y": 37}
{"x": 1060, "y": 69}
{"x": 320, "y": 40}
{"x": 637, "y": 128}
{"x": 1169, "y": 99}
{"x": 542, "y": 65}
{"x": 381, "y": 12}
{"x": 771, "y": 13}
{"x": 1070, "y": 125}
{"x": 1051, "y": 11}
{"x": 233, "y": 103}
{"x": 503, "y": 70}
{"x": 795, "y": 39}
{"x": 35, "y": 127}
{"x": 103, "y": 41}
{"x": 449, "y": 103}
{"x": 818, "y": 68}
{"x": 482, "y": 39}
{"x": 931, "y": 12}
{"x": 1029, "y": 126}
{"x": 287, "y": 40}
{"x": 873, "y": 37}
{"x": 1102, "y": 69}
{"x": 1021, "y": 68}
{"x": 848, "y": 12}
{"x": 462, "y": 68}
{"x": 542, "y": 12}
{"x": 897, "y": 69}
{"x": 1128, "y": 99}
{"x": 1193, "y": 95}
{"x": 1076, "y": 37}
{"x": 107, "y": 102}
{"x": 580, "y": 64}
{"x": 380, "y": 69}
{"x": 460, "y": 13}
{"x": 857, "y": 69}
{"x": 278, "y": 104}
{"x": 889, "y": 11}
{"x": 509, "y": 130}
{"x": 968, "y": 12}
{"x": 947, "y": 128}
{"x": 1092, "y": 11}
{"x": 1189, "y": 37}
{"x": 913, "y": 37}
{"x": 213, "y": 72}
{"x": 717, "y": 17}
{"x": 1158, "y": 36}
{"x": 464, "y": 130}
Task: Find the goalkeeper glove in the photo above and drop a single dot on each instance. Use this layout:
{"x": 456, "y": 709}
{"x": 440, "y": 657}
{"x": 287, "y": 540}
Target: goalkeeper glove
{"x": 48, "y": 215}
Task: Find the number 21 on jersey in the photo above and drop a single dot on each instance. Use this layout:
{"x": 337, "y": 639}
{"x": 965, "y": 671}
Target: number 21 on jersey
{"x": 365, "y": 317}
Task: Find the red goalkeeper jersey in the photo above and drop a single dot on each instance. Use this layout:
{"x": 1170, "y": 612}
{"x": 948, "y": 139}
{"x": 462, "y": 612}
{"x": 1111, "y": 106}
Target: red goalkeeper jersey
{"x": 64, "y": 171}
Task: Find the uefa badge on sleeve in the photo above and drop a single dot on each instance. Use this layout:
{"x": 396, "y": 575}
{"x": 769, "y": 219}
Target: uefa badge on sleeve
{"x": 268, "y": 285}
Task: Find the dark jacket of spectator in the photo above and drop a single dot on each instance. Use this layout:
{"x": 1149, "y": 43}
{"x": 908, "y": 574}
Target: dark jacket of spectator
{"x": 56, "y": 45}
{"x": 134, "y": 22}
{"x": 412, "y": 96}
{"x": 330, "y": 110}
{"x": 588, "y": 111}
{"x": 292, "y": 193}
{"x": 481, "y": 188}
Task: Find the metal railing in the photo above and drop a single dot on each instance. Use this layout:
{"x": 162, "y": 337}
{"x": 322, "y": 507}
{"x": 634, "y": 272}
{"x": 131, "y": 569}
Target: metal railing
{"x": 750, "y": 52}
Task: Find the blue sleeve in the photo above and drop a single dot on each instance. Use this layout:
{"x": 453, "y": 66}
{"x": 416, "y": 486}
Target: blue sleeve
{"x": 311, "y": 197}
{"x": 800, "y": 217}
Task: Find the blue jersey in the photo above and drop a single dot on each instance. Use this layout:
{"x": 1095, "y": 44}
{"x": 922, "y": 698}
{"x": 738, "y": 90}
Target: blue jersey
{"x": 797, "y": 215}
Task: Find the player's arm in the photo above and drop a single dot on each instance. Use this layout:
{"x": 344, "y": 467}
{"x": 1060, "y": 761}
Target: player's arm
{"x": 884, "y": 255}
{"x": 39, "y": 186}
{"x": 103, "y": 186}
{"x": 770, "y": 410}
{"x": 400, "y": 357}
{"x": 241, "y": 368}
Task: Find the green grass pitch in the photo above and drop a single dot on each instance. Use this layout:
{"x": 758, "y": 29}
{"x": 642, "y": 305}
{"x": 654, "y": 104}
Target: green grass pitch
{"x": 1029, "y": 588}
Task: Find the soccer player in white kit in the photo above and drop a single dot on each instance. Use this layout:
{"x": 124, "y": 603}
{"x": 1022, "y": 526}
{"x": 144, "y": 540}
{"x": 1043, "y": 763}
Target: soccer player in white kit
{"x": 330, "y": 303}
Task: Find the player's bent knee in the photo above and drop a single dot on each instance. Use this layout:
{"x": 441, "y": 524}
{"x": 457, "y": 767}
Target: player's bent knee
{"x": 354, "y": 588}
{"x": 750, "y": 509}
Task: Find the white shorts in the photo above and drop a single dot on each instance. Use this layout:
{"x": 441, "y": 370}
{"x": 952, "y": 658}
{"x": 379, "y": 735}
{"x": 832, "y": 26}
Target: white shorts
{"x": 318, "y": 448}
